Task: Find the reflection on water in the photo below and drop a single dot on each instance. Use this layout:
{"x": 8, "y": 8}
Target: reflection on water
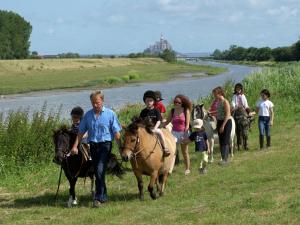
{"x": 118, "y": 97}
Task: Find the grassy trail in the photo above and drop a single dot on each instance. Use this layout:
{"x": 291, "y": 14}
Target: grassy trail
{"x": 258, "y": 187}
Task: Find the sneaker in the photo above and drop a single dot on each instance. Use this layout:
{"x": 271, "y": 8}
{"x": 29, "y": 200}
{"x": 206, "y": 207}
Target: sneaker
{"x": 202, "y": 171}
{"x": 96, "y": 204}
{"x": 187, "y": 172}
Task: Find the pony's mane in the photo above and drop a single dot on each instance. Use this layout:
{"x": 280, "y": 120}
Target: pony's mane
{"x": 62, "y": 129}
{"x": 138, "y": 122}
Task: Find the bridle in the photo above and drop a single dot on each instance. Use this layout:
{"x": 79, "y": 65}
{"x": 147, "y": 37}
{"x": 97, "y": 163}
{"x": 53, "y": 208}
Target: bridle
{"x": 136, "y": 145}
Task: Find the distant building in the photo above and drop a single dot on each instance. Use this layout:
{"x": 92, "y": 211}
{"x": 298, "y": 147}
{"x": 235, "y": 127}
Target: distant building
{"x": 158, "y": 47}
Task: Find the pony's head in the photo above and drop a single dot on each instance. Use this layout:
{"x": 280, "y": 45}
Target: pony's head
{"x": 131, "y": 138}
{"x": 63, "y": 139}
{"x": 198, "y": 111}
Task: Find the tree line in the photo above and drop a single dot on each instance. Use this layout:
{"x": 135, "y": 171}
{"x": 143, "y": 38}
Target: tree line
{"x": 279, "y": 54}
{"x": 14, "y": 36}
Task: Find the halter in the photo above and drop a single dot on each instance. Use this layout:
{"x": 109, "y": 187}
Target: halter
{"x": 135, "y": 154}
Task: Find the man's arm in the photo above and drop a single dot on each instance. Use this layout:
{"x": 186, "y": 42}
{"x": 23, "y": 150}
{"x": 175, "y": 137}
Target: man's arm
{"x": 74, "y": 150}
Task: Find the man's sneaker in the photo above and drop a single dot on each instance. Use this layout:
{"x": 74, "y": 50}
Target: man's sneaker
{"x": 166, "y": 152}
{"x": 202, "y": 171}
{"x": 187, "y": 172}
{"x": 96, "y": 204}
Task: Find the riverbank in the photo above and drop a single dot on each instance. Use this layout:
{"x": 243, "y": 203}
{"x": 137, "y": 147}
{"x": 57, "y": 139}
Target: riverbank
{"x": 22, "y": 76}
{"x": 257, "y": 187}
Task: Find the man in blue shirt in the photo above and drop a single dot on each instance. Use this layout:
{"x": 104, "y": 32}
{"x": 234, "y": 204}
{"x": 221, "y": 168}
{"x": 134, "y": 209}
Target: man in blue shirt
{"x": 103, "y": 127}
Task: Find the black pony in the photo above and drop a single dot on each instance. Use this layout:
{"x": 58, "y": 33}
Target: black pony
{"x": 79, "y": 165}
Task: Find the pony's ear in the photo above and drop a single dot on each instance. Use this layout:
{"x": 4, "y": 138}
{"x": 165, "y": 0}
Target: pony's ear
{"x": 201, "y": 105}
{"x": 123, "y": 127}
{"x": 135, "y": 119}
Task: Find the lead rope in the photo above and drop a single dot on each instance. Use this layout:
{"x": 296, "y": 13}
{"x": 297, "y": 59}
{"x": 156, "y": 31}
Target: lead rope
{"x": 59, "y": 179}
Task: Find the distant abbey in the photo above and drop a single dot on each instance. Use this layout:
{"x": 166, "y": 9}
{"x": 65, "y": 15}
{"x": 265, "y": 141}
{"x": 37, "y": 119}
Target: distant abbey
{"x": 158, "y": 47}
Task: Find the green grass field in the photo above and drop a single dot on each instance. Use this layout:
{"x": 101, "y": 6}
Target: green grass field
{"x": 257, "y": 187}
{"x": 19, "y": 76}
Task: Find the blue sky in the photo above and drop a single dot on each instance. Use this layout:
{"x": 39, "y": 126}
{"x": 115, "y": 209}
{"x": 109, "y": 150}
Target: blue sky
{"x": 124, "y": 26}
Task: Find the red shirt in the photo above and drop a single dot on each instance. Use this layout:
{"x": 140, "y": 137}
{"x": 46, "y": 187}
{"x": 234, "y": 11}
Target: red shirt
{"x": 160, "y": 106}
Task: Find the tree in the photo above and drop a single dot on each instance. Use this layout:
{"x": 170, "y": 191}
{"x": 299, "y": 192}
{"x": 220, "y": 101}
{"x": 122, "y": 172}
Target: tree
{"x": 282, "y": 54}
{"x": 296, "y": 50}
{"x": 168, "y": 55}
{"x": 14, "y": 36}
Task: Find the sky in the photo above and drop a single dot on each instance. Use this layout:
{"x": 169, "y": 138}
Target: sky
{"x": 125, "y": 26}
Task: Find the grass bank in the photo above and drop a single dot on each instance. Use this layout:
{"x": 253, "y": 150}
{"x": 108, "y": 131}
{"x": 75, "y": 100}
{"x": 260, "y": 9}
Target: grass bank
{"x": 19, "y": 76}
{"x": 258, "y": 187}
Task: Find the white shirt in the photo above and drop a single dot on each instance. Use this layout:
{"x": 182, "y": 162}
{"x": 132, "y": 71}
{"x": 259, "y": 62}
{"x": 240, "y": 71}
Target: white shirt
{"x": 264, "y": 107}
{"x": 236, "y": 99}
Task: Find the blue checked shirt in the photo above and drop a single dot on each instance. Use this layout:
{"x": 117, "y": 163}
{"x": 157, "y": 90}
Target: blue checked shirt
{"x": 100, "y": 129}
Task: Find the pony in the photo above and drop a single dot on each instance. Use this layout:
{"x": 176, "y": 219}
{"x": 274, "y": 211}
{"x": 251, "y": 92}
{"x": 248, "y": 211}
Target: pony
{"x": 75, "y": 166}
{"x": 143, "y": 149}
{"x": 210, "y": 125}
{"x": 242, "y": 127}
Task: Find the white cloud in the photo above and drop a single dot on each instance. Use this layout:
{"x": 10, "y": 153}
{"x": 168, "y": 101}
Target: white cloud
{"x": 178, "y": 7}
{"x": 50, "y": 31}
{"x": 59, "y": 20}
{"x": 235, "y": 17}
{"x": 282, "y": 11}
{"x": 116, "y": 19}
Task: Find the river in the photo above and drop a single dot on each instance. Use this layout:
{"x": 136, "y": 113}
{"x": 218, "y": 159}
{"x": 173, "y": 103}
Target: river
{"x": 120, "y": 96}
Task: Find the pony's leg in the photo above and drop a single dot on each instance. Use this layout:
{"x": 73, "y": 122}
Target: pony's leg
{"x": 245, "y": 139}
{"x": 163, "y": 182}
{"x": 139, "y": 179}
{"x": 153, "y": 180}
{"x": 72, "y": 199}
{"x": 238, "y": 138}
{"x": 211, "y": 146}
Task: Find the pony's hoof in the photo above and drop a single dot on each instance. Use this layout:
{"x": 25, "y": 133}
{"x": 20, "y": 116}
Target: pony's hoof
{"x": 161, "y": 194}
{"x": 153, "y": 196}
{"x": 141, "y": 198}
{"x": 72, "y": 202}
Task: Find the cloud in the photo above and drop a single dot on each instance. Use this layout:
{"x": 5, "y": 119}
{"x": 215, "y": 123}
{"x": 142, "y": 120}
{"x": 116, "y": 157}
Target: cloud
{"x": 116, "y": 19}
{"x": 178, "y": 7}
{"x": 50, "y": 31}
{"x": 283, "y": 11}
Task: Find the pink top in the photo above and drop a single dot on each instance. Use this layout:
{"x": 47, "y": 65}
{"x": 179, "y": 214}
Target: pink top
{"x": 213, "y": 107}
{"x": 178, "y": 122}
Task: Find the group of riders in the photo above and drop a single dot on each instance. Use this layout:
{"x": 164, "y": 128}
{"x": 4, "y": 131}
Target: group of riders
{"x": 100, "y": 126}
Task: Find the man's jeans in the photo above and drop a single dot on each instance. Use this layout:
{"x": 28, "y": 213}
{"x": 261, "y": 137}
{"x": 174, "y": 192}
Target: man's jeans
{"x": 100, "y": 153}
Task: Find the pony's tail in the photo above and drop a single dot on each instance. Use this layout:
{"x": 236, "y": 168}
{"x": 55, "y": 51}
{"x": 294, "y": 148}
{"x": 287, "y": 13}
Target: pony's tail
{"x": 114, "y": 167}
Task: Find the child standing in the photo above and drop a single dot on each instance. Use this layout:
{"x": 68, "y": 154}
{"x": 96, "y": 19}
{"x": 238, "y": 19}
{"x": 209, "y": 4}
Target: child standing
{"x": 201, "y": 143}
{"x": 153, "y": 116}
{"x": 264, "y": 107}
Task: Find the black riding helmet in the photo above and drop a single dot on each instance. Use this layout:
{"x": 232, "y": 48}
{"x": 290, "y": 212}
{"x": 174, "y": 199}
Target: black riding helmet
{"x": 149, "y": 94}
{"x": 77, "y": 111}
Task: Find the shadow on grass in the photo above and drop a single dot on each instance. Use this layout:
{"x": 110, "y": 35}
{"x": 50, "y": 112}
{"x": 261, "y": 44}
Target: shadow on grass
{"x": 48, "y": 200}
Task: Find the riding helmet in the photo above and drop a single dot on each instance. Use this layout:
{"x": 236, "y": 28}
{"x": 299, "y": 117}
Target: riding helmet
{"x": 149, "y": 94}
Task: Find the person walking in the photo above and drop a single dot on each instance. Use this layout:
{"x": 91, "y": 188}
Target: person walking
{"x": 103, "y": 127}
